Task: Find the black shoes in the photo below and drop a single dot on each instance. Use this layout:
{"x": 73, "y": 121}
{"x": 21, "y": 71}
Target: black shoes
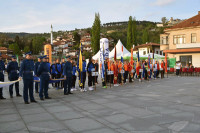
{"x": 42, "y": 99}
{"x": 2, "y": 98}
{"x": 26, "y": 102}
{"x": 47, "y": 97}
{"x": 18, "y": 95}
{"x": 66, "y": 93}
{"x": 33, "y": 101}
{"x": 70, "y": 93}
{"x": 11, "y": 96}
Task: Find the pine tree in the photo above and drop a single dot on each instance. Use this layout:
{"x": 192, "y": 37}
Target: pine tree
{"x": 95, "y": 39}
{"x": 134, "y": 32}
{"x": 129, "y": 34}
{"x": 145, "y": 36}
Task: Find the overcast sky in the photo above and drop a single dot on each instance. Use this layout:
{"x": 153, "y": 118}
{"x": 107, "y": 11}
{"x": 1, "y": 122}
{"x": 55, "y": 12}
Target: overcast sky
{"x": 36, "y": 16}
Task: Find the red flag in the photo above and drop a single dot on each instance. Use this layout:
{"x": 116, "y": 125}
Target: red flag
{"x": 115, "y": 54}
{"x": 131, "y": 55}
{"x": 166, "y": 62}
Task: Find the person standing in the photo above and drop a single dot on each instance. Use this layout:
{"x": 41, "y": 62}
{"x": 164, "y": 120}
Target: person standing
{"x": 112, "y": 70}
{"x": 83, "y": 75}
{"x": 126, "y": 71}
{"x": 13, "y": 75}
{"x": 96, "y": 70}
{"x": 26, "y": 71}
{"x": 73, "y": 76}
{"x": 35, "y": 72}
{"x": 58, "y": 72}
{"x": 2, "y": 69}
{"x": 68, "y": 76}
{"x": 162, "y": 69}
{"x": 119, "y": 72}
{"x": 90, "y": 69}
{"x": 53, "y": 72}
{"x": 158, "y": 70}
{"x": 62, "y": 74}
{"x": 44, "y": 74}
{"x": 178, "y": 67}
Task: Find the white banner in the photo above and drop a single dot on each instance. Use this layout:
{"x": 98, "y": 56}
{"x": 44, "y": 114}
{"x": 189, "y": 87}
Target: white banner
{"x": 4, "y": 84}
{"x": 105, "y": 42}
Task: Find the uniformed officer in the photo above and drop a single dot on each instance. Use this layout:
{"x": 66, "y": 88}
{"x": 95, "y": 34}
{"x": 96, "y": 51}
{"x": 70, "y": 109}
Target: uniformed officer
{"x": 58, "y": 72}
{"x": 83, "y": 75}
{"x": 53, "y": 71}
{"x": 35, "y": 71}
{"x": 44, "y": 74}
{"x": 26, "y": 71}
{"x": 13, "y": 75}
{"x": 90, "y": 69}
{"x": 62, "y": 75}
{"x": 2, "y": 69}
{"x": 67, "y": 76}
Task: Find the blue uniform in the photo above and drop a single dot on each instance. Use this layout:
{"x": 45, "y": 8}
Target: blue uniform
{"x": 90, "y": 69}
{"x": 35, "y": 71}
{"x": 2, "y": 68}
{"x": 13, "y": 74}
{"x": 58, "y": 73}
{"x": 43, "y": 72}
{"x": 62, "y": 66}
{"x": 83, "y": 74}
{"x": 68, "y": 73}
{"x": 26, "y": 72}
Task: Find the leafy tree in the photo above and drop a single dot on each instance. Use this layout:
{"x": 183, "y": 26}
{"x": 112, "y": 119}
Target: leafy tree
{"x": 15, "y": 48}
{"x": 38, "y": 44}
{"x": 77, "y": 37}
{"x": 95, "y": 39}
{"x": 26, "y": 49}
{"x": 134, "y": 32}
{"x": 164, "y": 20}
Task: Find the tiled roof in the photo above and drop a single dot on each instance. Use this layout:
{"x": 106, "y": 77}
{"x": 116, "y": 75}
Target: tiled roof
{"x": 191, "y": 22}
{"x": 148, "y": 44}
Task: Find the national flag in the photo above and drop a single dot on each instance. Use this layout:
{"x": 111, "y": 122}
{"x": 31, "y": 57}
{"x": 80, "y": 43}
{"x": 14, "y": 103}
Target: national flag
{"x": 166, "y": 62}
{"x": 131, "y": 56}
{"x": 137, "y": 66}
{"x": 115, "y": 54}
{"x": 102, "y": 61}
{"x": 79, "y": 65}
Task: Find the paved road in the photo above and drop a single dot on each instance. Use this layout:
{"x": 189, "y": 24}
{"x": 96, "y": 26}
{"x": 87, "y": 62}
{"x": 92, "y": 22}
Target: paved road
{"x": 159, "y": 106}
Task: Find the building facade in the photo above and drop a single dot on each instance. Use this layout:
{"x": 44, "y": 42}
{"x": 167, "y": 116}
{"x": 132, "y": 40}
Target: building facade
{"x": 182, "y": 41}
{"x": 148, "y": 48}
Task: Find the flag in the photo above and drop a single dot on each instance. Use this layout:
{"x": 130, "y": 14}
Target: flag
{"x": 102, "y": 61}
{"x": 115, "y": 54}
{"x": 80, "y": 60}
{"x": 137, "y": 66}
{"x": 166, "y": 62}
{"x": 79, "y": 65}
{"x": 131, "y": 55}
{"x": 122, "y": 60}
{"x": 149, "y": 59}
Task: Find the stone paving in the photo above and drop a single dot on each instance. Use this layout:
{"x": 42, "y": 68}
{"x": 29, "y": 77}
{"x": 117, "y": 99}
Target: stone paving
{"x": 170, "y": 105}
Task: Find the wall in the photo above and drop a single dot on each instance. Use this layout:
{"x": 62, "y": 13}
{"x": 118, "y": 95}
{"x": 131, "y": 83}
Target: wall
{"x": 195, "y": 58}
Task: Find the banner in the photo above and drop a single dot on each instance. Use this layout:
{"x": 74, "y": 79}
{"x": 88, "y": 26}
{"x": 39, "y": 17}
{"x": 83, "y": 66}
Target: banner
{"x": 48, "y": 52}
{"x": 104, "y": 42}
{"x": 4, "y": 84}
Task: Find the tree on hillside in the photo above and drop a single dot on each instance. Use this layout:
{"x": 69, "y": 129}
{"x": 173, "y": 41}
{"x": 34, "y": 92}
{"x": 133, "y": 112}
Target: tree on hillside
{"x": 77, "y": 37}
{"x": 164, "y": 20}
{"x": 95, "y": 39}
{"x": 26, "y": 49}
{"x": 15, "y": 48}
{"x": 38, "y": 44}
{"x": 134, "y": 32}
{"x": 131, "y": 33}
{"x": 145, "y": 36}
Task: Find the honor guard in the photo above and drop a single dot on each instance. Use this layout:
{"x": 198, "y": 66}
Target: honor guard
{"x": 44, "y": 73}
{"x": 35, "y": 72}
{"x": 26, "y": 72}
{"x": 68, "y": 76}
{"x": 2, "y": 69}
{"x": 13, "y": 75}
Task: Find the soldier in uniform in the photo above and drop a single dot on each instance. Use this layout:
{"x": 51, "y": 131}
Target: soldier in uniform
{"x": 68, "y": 76}
{"x": 58, "y": 72}
{"x": 13, "y": 75}
{"x": 35, "y": 71}
{"x": 26, "y": 71}
{"x": 44, "y": 73}
{"x": 2, "y": 69}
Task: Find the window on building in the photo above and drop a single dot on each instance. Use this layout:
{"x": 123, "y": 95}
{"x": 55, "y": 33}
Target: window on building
{"x": 164, "y": 40}
{"x": 160, "y": 52}
{"x": 193, "y": 38}
{"x": 156, "y": 52}
{"x": 179, "y": 39}
{"x": 144, "y": 52}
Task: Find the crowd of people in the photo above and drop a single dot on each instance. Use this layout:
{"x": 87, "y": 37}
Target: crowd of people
{"x": 66, "y": 74}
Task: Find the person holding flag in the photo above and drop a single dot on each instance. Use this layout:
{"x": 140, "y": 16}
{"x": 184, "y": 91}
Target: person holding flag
{"x": 138, "y": 67}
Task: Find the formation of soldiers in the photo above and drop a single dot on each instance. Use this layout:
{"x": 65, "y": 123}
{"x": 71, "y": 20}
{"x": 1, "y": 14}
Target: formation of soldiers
{"x": 116, "y": 73}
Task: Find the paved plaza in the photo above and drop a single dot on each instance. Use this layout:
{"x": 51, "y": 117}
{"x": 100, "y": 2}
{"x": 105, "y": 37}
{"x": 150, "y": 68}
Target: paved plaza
{"x": 170, "y": 105}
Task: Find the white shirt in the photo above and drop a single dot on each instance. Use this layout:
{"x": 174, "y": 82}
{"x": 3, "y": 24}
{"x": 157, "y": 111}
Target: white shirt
{"x": 178, "y": 65}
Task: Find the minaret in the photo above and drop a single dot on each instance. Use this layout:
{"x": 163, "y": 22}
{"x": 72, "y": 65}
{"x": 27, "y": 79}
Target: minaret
{"x": 51, "y": 35}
